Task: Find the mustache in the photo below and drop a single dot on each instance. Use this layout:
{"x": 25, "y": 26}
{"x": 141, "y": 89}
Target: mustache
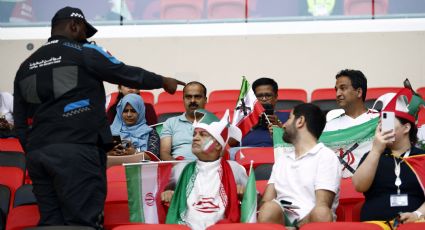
{"x": 193, "y": 104}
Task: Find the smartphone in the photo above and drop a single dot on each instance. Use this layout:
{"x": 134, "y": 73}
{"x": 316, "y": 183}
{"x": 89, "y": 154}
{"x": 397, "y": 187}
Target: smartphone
{"x": 268, "y": 109}
{"x": 387, "y": 121}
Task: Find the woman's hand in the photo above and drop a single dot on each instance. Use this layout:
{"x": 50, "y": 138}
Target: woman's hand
{"x": 382, "y": 139}
{"x": 408, "y": 217}
{"x": 118, "y": 150}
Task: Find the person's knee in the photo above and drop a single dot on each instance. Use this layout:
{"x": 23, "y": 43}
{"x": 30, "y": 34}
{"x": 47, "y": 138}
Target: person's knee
{"x": 321, "y": 214}
{"x": 270, "y": 212}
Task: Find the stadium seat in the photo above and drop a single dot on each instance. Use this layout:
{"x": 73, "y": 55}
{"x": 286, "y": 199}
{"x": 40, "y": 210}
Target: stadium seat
{"x": 263, "y": 171}
{"x": 181, "y": 9}
{"x": 261, "y": 186}
{"x": 116, "y": 214}
{"x": 147, "y": 96}
{"x": 12, "y": 170}
{"x": 231, "y": 95}
{"x": 152, "y": 227}
{"x": 256, "y": 226}
{"x": 166, "y": 97}
{"x": 23, "y": 217}
{"x": 220, "y": 107}
{"x": 24, "y": 196}
{"x": 340, "y": 225}
{"x": 411, "y": 226}
{"x": 259, "y": 155}
{"x": 375, "y": 93}
{"x": 356, "y": 211}
{"x": 165, "y": 110}
{"x": 220, "y": 9}
{"x": 421, "y": 91}
{"x": 4, "y": 204}
{"x": 288, "y": 98}
{"x": 10, "y": 144}
{"x": 365, "y": 7}
{"x": 60, "y": 228}
{"x": 117, "y": 192}
{"x": 115, "y": 174}
{"x": 324, "y": 98}
{"x": 348, "y": 198}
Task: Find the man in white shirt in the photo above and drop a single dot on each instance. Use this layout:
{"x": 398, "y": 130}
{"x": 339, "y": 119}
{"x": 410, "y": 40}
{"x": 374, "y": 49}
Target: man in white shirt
{"x": 351, "y": 88}
{"x": 307, "y": 179}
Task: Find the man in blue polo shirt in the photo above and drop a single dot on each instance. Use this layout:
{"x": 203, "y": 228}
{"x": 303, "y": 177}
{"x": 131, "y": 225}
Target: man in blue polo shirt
{"x": 177, "y": 132}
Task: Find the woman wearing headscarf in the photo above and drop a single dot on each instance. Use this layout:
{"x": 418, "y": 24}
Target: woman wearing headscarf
{"x": 131, "y": 127}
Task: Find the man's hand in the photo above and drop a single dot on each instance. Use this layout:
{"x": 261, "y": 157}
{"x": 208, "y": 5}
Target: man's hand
{"x": 240, "y": 190}
{"x": 170, "y": 84}
{"x": 274, "y": 120}
{"x": 166, "y": 196}
{"x": 4, "y": 125}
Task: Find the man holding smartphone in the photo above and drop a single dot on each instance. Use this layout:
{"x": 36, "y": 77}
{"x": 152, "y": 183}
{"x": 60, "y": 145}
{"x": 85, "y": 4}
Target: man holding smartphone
{"x": 265, "y": 90}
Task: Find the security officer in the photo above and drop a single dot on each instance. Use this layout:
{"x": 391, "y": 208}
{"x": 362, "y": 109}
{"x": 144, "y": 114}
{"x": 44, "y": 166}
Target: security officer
{"x": 66, "y": 143}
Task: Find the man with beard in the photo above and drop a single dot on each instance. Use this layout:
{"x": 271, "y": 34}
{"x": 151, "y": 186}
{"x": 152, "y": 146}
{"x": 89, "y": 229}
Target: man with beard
{"x": 176, "y": 135}
{"x": 304, "y": 184}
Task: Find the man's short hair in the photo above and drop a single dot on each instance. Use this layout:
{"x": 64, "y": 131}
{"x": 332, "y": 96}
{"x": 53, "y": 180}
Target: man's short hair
{"x": 265, "y": 81}
{"x": 197, "y": 83}
{"x": 357, "y": 78}
{"x": 314, "y": 118}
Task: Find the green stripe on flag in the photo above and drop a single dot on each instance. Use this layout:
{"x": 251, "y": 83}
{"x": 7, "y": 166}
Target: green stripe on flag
{"x": 249, "y": 202}
{"x": 244, "y": 89}
{"x": 134, "y": 189}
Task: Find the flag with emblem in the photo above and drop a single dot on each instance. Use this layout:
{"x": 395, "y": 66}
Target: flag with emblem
{"x": 248, "y": 109}
{"x": 249, "y": 201}
{"x": 145, "y": 182}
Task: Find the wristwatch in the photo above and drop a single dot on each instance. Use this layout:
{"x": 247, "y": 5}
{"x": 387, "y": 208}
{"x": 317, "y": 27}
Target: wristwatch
{"x": 419, "y": 214}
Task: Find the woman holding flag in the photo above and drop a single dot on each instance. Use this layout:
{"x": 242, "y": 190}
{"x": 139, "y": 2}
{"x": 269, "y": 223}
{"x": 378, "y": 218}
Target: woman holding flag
{"x": 392, "y": 174}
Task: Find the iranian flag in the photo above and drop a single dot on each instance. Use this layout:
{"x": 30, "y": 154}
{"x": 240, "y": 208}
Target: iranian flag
{"x": 249, "y": 202}
{"x": 349, "y": 144}
{"x": 248, "y": 109}
{"x": 417, "y": 165}
{"x": 145, "y": 182}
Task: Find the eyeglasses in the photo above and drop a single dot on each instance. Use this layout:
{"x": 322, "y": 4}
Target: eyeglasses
{"x": 266, "y": 96}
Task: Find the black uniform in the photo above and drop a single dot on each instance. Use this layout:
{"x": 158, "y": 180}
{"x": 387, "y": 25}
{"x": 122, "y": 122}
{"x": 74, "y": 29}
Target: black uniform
{"x": 63, "y": 80}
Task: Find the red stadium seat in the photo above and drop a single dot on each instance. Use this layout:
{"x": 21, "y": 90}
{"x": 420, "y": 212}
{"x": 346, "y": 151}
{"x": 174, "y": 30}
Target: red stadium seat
{"x": 324, "y": 98}
{"x": 261, "y": 186}
{"x": 348, "y": 198}
{"x": 166, "y": 97}
{"x": 116, "y": 174}
{"x": 375, "y": 93}
{"x": 220, "y": 107}
{"x": 219, "y": 9}
{"x": 165, "y": 110}
{"x": 288, "y": 98}
{"x": 411, "y": 226}
{"x": 152, "y": 227}
{"x": 243, "y": 226}
{"x": 181, "y": 9}
{"x": 340, "y": 225}
{"x": 421, "y": 91}
{"x": 4, "y": 204}
{"x": 10, "y": 144}
{"x": 259, "y": 155}
{"x": 23, "y": 217}
{"x": 117, "y": 192}
{"x": 364, "y": 7}
{"x": 231, "y": 95}
{"x": 116, "y": 214}
{"x": 147, "y": 96}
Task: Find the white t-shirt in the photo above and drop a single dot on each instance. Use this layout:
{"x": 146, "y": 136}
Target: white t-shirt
{"x": 296, "y": 180}
{"x": 343, "y": 121}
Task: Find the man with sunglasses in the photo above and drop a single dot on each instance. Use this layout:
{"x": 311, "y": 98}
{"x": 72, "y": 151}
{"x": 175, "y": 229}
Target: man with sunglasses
{"x": 265, "y": 90}
{"x": 66, "y": 143}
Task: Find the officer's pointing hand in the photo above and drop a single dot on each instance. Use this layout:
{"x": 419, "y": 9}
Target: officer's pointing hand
{"x": 170, "y": 84}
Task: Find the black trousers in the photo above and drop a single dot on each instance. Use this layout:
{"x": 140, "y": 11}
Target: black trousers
{"x": 69, "y": 182}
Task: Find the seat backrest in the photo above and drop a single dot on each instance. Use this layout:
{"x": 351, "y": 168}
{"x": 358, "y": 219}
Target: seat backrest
{"x": 152, "y": 227}
{"x": 259, "y": 155}
{"x": 148, "y": 97}
{"x": 24, "y": 196}
{"x": 340, "y": 225}
{"x": 374, "y": 93}
{"x": 10, "y": 144}
{"x": 263, "y": 171}
{"x": 411, "y": 226}
{"x": 325, "y": 98}
{"x": 220, "y": 9}
{"x": 289, "y": 98}
{"x": 12, "y": 159}
{"x": 166, "y": 97}
{"x": 421, "y": 91}
{"x": 256, "y": 226}
{"x": 22, "y": 217}
{"x": 220, "y": 106}
{"x": 181, "y": 9}
{"x": 115, "y": 174}
{"x": 224, "y": 95}
{"x": 165, "y": 110}
{"x": 365, "y": 7}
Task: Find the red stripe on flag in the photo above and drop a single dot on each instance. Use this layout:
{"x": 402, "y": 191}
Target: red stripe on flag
{"x": 163, "y": 178}
{"x": 251, "y": 120}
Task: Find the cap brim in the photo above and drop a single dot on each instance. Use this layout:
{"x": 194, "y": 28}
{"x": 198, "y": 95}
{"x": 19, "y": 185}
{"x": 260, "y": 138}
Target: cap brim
{"x": 90, "y": 30}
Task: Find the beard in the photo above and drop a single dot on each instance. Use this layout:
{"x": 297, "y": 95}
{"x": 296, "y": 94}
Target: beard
{"x": 287, "y": 137}
{"x": 289, "y": 134}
